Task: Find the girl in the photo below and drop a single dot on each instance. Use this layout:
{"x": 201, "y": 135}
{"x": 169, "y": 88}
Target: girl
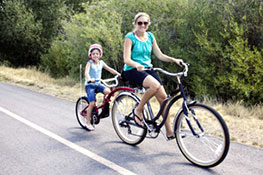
{"x": 93, "y": 72}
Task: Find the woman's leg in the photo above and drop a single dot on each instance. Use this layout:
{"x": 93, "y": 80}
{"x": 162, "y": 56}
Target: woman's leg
{"x": 152, "y": 86}
{"x": 153, "y": 89}
{"x": 160, "y": 96}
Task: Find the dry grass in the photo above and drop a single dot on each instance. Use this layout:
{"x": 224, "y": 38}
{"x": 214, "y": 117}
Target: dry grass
{"x": 245, "y": 124}
{"x": 33, "y": 79}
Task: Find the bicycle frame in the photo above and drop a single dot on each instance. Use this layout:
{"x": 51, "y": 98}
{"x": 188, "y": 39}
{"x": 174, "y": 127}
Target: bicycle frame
{"x": 172, "y": 98}
{"x": 107, "y": 98}
{"x": 204, "y": 145}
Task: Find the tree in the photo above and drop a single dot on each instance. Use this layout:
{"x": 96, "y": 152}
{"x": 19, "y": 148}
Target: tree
{"x": 19, "y": 34}
{"x": 207, "y": 34}
{"x": 27, "y": 28}
{"x": 98, "y": 25}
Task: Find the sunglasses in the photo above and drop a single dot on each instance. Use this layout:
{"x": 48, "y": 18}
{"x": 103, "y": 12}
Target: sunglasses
{"x": 140, "y": 23}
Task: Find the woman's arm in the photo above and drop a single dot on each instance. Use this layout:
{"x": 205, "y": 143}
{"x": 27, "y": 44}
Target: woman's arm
{"x": 127, "y": 55}
{"x": 158, "y": 53}
{"x": 111, "y": 70}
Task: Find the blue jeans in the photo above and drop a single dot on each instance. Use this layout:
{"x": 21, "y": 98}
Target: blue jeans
{"x": 92, "y": 89}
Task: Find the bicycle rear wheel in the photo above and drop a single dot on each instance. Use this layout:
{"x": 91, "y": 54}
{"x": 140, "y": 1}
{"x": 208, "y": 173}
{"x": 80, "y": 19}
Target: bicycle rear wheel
{"x": 210, "y": 145}
{"x": 122, "y": 120}
{"x": 81, "y": 104}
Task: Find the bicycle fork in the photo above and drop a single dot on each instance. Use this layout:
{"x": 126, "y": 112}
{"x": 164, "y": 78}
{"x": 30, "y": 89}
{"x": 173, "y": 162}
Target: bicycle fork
{"x": 195, "y": 119}
{"x": 186, "y": 113}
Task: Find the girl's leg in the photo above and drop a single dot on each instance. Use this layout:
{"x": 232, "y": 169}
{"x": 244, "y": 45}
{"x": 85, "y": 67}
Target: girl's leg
{"x": 90, "y": 90}
{"x": 89, "y": 111}
{"x": 106, "y": 91}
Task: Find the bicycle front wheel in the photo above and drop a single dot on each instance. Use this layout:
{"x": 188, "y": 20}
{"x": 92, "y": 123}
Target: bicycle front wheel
{"x": 202, "y": 136}
{"x": 122, "y": 120}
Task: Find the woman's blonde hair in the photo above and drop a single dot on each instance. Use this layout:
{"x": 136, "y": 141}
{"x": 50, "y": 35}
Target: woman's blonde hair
{"x": 138, "y": 15}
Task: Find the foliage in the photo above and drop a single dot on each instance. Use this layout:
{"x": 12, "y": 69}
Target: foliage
{"x": 27, "y": 28}
{"x": 222, "y": 39}
{"x": 19, "y": 33}
{"x": 70, "y": 49}
{"x": 244, "y": 81}
{"x": 76, "y": 5}
{"x": 222, "y": 43}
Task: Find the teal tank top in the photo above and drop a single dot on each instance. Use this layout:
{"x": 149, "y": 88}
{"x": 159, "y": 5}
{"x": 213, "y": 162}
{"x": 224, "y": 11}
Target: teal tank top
{"x": 141, "y": 51}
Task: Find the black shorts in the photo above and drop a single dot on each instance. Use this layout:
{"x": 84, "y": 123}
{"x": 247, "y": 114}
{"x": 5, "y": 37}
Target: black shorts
{"x": 136, "y": 78}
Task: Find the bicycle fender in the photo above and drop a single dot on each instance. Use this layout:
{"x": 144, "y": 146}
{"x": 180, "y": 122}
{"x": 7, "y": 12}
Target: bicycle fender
{"x": 127, "y": 93}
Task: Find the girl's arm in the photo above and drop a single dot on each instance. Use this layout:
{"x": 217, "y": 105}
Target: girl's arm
{"x": 87, "y": 69}
{"x": 158, "y": 53}
{"x": 111, "y": 70}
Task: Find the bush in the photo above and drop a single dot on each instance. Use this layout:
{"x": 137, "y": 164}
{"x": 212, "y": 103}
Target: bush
{"x": 222, "y": 40}
{"x": 99, "y": 25}
{"x": 27, "y": 29}
{"x": 19, "y": 34}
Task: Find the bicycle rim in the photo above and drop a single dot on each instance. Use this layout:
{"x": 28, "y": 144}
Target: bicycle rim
{"x": 125, "y": 126}
{"x": 81, "y": 104}
{"x": 207, "y": 148}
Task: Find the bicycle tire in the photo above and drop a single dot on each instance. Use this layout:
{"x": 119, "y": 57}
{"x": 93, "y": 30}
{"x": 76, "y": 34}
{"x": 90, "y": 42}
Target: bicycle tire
{"x": 124, "y": 125}
{"x": 210, "y": 147}
{"x": 81, "y": 103}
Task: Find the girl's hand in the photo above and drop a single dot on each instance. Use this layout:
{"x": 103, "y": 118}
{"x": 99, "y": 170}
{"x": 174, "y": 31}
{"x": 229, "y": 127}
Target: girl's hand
{"x": 92, "y": 80}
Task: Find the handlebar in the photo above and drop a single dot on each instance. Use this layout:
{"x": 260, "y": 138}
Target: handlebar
{"x": 106, "y": 81}
{"x": 178, "y": 74}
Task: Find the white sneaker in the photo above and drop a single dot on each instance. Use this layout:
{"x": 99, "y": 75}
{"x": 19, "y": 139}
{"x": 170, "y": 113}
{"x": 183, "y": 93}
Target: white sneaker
{"x": 90, "y": 127}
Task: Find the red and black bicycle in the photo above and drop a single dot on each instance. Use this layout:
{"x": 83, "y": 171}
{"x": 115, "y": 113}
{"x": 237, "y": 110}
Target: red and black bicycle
{"x": 101, "y": 110}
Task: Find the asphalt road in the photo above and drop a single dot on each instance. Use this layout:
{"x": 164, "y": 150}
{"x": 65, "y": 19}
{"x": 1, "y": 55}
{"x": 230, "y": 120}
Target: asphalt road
{"x": 39, "y": 134}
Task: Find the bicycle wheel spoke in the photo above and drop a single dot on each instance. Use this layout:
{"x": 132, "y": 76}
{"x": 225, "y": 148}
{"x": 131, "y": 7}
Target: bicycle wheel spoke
{"x": 127, "y": 131}
{"x": 121, "y": 108}
{"x": 210, "y": 144}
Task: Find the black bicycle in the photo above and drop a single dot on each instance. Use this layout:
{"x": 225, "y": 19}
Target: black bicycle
{"x": 200, "y": 131}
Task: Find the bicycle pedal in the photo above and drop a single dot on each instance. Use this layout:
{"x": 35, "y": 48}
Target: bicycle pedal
{"x": 123, "y": 124}
{"x": 151, "y": 135}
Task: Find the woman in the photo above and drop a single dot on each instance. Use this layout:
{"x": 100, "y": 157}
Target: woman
{"x": 138, "y": 46}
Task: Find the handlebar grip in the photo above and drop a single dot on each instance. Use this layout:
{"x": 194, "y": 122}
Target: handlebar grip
{"x": 148, "y": 68}
{"x": 181, "y": 63}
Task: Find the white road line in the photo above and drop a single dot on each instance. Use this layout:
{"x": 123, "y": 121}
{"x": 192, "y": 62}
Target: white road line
{"x": 80, "y": 149}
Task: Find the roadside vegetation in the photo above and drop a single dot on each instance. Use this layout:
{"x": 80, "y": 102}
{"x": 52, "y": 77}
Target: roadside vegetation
{"x": 245, "y": 124}
{"x": 42, "y": 44}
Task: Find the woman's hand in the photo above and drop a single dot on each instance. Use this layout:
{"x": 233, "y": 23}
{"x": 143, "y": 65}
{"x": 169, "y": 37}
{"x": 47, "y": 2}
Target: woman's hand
{"x": 140, "y": 68}
{"x": 179, "y": 62}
